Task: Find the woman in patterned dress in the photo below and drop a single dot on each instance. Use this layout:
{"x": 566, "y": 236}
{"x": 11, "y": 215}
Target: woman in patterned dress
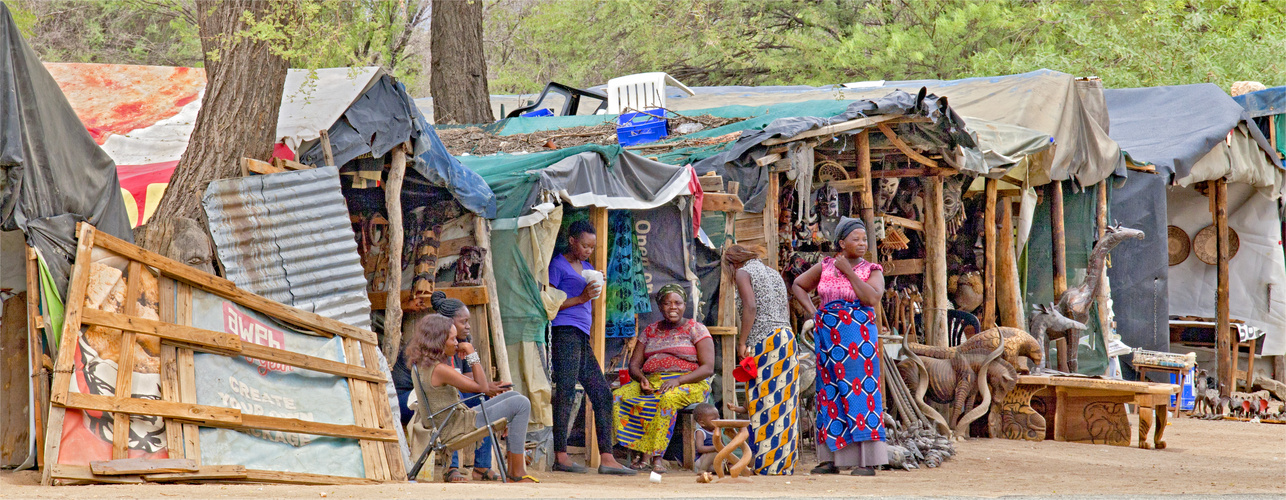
{"x": 765, "y": 335}
{"x": 670, "y": 364}
{"x": 850, "y": 423}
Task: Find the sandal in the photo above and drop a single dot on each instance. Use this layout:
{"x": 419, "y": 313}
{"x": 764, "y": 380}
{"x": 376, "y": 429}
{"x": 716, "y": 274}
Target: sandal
{"x": 658, "y": 466}
{"x": 485, "y": 475}
{"x": 641, "y": 466}
{"x": 524, "y": 479}
{"x": 453, "y": 475}
{"x": 825, "y": 468}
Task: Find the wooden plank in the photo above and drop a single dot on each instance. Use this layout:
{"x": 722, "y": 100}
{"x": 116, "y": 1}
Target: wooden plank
{"x": 482, "y": 231}
{"x": 911, "y": 172}
{"x": 125, "y": 364}
{"x": 597, "y": 330}
{"x": 272, "y": 476}
{"x": 35, "y": 333}
{"x": 81, "y": 473}
{"x": 837, "y": 128}
{"x": 989, "y": 256}
{"x": 935, "y": 269}
{"x": 253, "y": 166}
{"x": 228, "y": 290}
{"x": 903, "y": 222}
{"x": 481, "y": 336}
{"x": 166, "y": 290}
{"x": 392, "y": 338}
{"x": 711, "y": 183}
{"x": 14, "y": 411}
{"x": 187, "y": 373}
{"x": 750, "y": 227}
{"x": 453, "y": 245}
{"x": 470, "y": 295}
{"x": 311, "y": 363}
{"x": 1227, "y": 360}
{"x": 768, "y": 159}
{"x": 728, "y": 309}
{"x": 202, "y": 473}
{"x": 856, "y": 185}
{"x": 1009, "y": 308}
{"x": 903, "y": 267}
{"x": 64, "y": 365}
{"x": 723, "y": 331}
{"x": 285, "y": 164}
{"x": 327, "y": 153}
{"x": 190, "y": 336}
{"x": 360, "y": 401}
{"x": 721, "y": 202}
{"x": 904, "y": 148}
{"x": 769, "y": 215}
{"x": 126, "y": 466}
{"x": 382, "y": 416}
{"x": 203, "y": 414}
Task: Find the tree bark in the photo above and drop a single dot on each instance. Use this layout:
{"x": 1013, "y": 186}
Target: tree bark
{"x": 458, "y": 74}
{"x": 238, "y": 116}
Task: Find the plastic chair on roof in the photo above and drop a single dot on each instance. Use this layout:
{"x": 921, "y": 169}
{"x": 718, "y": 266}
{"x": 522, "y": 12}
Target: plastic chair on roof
{"x": 640, "y": 91}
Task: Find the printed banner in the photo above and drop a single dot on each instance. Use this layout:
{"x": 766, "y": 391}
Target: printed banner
{"x": 259, "y": 387}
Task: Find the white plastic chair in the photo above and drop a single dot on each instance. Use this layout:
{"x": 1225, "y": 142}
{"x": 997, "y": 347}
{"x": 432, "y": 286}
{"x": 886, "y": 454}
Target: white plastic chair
{"x": 640, "y": 91}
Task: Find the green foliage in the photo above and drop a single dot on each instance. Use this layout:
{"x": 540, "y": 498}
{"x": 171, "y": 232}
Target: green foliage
{"x": 818, "y": 42}
{"x": 101, "y": 31}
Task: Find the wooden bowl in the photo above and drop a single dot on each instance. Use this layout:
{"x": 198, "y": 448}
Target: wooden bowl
{"x": 1180, "y": 245}
{"x": 1203, "y": 244}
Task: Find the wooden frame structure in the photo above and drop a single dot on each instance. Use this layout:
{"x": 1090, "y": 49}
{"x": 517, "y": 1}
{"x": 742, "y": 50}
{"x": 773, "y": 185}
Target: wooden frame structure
{"x": 374, "y": 426}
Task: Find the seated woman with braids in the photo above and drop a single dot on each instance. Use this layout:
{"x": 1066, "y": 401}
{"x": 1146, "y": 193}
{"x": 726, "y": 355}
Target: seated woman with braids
{"x": 670, "y": 364}
{"x": 431, "y": 350}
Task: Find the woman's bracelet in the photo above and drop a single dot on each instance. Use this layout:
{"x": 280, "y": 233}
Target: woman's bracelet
{"x": 472, "y": 359}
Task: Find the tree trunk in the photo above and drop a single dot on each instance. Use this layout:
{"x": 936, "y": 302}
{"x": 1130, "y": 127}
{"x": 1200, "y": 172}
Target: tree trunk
{"x": 238, "y": 116}
{"x": 458, "y": 77}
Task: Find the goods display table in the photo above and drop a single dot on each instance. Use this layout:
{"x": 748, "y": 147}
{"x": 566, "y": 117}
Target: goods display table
{"x": 1084, "y": 410}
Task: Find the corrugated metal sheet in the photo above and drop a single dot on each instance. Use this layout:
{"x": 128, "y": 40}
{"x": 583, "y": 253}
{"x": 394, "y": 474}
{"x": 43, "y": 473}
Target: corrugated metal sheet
{"x": 288, "y": 237}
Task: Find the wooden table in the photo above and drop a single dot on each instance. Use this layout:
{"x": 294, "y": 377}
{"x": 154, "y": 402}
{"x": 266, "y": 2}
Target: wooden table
{"x": 1143, "y": 371}
{"x": 1083, "y": 410}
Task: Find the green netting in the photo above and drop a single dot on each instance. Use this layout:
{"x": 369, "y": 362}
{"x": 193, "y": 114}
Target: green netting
{"x": 518, "y": 292}
{"x": 512, "y": 176}
{"x": 1279, "y": 123}
{"x": 1037, "y": 264}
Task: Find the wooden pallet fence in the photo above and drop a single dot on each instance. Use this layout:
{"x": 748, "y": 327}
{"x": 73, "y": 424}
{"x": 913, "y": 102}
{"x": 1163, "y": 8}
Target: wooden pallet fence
{"x": 217, "y": 374}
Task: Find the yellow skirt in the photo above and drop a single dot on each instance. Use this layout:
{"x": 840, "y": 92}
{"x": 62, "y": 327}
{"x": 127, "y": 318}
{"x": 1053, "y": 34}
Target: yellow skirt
{"x": 645, "y": 422}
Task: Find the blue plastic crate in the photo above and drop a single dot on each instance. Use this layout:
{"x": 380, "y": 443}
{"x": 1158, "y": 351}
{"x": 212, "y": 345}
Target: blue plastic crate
{"x": 642, "y": 127}
{"x": 538, "y": 112}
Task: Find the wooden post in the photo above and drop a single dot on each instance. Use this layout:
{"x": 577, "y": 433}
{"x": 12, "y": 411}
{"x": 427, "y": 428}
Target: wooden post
{"x": 482, "y": 235}
{"x": 935, "y": 264}
{"x": 1055, "y": 196}
{"x": 802, "y": 153}
{"x": 35, "y": 332}
{"x": 863, "y": 140}
{"x": 326, "y": 151}
{"x": 1223, "y": 328}
{"x": 597, "y": 330}
{"x": 1009, "y": 303}
{"x": 1105, "y": 290}
{"x": 728, "y": 310}
{"x": 989, "y": 252}
{"x": 393, "y": 205}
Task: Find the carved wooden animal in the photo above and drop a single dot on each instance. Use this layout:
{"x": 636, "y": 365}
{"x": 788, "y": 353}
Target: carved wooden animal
{"x": 1076, "y": 301}
{"x": 966, "y": 290}
{"x": 1047, "y": 318}
{"x": 468, "y": 269}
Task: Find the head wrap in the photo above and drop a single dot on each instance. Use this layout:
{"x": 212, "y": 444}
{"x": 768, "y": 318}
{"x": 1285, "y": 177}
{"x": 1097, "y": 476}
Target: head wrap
{"x": 445, "y": 306}
{"x": 845, "y": 226}
{"x": 671, "y": 288}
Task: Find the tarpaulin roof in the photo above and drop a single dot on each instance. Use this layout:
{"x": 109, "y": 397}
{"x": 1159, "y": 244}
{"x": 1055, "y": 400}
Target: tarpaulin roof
{"x": 384, "y": 117}
{"x": 54, "y": 173}
{"x": 605, "y": 176}
{"x": 1270, "y": 101}
{"x": 142, "y": 116}
{"x": 1175, "y": 127}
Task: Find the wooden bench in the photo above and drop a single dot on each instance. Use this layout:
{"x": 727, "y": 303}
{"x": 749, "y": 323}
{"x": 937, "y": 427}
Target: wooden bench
{"x": 1084, "y": 410}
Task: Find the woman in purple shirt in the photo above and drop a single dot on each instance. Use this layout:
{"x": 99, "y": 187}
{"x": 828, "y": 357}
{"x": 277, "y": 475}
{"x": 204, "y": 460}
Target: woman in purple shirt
{"x": 574, "y": 359}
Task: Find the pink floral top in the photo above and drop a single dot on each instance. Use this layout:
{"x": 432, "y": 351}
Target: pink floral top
{"x": 833, "y": 285}
{"x": 672, "y": 350}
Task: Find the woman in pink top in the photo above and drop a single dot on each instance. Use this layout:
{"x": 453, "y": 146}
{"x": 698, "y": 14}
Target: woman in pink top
{"x": 850, "y": 420}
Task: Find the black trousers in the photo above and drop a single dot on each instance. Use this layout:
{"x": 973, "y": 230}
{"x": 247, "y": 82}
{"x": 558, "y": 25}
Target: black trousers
{"x": 573, "y": 362}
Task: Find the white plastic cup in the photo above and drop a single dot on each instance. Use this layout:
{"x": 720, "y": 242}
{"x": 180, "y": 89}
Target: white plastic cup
{"x": 593, "y": 276}
{"x": 656, "y": 478}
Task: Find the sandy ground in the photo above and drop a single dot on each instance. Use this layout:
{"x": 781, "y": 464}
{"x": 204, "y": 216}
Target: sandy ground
{"x": 1203, "y": 457}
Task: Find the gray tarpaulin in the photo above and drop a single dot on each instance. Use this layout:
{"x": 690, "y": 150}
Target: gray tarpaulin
{"x": 633, "y": 183}
{"x": 54, "y": 173}
{"x": 1140, "y": 271}
{"x": 386, "y": 116}
{"x": 1174, "y": 127}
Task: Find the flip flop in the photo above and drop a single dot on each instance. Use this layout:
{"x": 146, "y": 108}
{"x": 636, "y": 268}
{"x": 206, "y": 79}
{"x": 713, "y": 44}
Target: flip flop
{"x": 825, "y": 468}
{"x": 453, "y": 475}
{"x": 488, "y": 475}
{"x": 524, "y": 479}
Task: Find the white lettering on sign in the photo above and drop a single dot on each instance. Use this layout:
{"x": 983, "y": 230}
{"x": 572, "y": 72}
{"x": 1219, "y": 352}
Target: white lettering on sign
{"x": 255, "y": 332}
{"x": 641, "y": 229}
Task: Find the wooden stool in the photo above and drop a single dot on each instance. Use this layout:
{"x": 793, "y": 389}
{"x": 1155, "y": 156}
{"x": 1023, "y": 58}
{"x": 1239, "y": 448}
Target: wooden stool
{"x": 731, "y": 435}
{"x": 1143, "y": 371}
